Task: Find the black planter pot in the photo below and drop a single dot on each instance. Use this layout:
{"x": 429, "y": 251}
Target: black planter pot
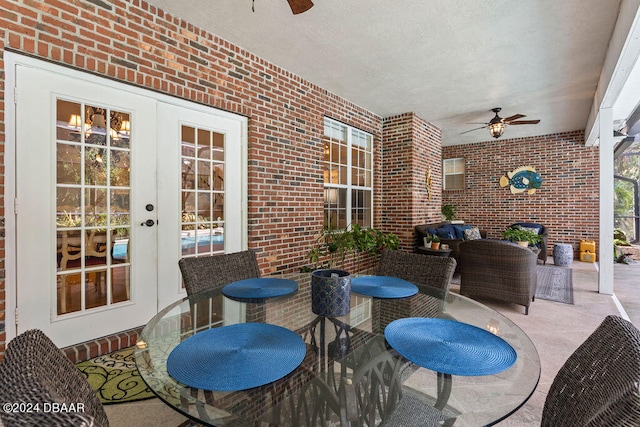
{"x": 330, "y": 292}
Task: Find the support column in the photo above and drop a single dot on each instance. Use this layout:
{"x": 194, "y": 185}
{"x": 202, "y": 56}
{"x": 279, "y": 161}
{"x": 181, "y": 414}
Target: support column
{"x": 605, "y": 279}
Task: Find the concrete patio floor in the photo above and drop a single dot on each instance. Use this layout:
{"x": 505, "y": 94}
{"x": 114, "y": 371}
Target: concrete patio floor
{"x": 556, "y": 329}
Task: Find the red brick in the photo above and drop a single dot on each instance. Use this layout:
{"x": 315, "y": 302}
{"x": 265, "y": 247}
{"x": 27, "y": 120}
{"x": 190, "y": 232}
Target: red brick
{"x": 285, "y": 165}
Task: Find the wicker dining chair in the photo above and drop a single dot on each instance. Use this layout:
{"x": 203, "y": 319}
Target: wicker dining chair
{"x": 36, "y": 372}
{"x": 215, "y": 271}
{"x": 599, "y": 384}
{"x": 413, "y": 410}
{"x": 420, "y": 269}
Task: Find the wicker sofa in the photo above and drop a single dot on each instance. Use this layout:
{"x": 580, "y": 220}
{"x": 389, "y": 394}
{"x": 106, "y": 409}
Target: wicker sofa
{"x": 421, "y": 231}
{"x": 498, "y": 270}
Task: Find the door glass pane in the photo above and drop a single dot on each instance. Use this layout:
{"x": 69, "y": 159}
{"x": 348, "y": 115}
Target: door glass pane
{"x": 68, "y": 173}
{"x": 92, "y": 211}
{"x": 202, "y": 192}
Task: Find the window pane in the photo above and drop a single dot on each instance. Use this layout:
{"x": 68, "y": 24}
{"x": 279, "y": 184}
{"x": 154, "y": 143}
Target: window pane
{"x": 218, "y": 177}
{"x": 361, "y": 208}
{"x": 120, "y": 129}
{"x": 95, "y": 166}
{"x": 69, "y": 122}
{"x": 453, "y": 171}
{"x": 348, "y": 154}
{"x": 68, "y": 166}
{"x": 96, "y": 119}
{"x": 204, "y": 175}
{"x": 204, "y": 144}
{"x": 453, "y": 182}
{"x": 120, "y": 168}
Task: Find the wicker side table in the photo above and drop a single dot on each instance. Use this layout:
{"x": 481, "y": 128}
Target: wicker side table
{"x": 435, "y": 252}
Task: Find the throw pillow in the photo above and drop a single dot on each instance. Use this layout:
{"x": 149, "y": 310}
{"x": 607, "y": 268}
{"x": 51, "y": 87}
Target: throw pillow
{"x": 446, "y": 232}
{"x": 472, "y": 233}
{"x": 460, "y": 230}
{"x": 532, "y": 229}
{"x": 538, "y": 227}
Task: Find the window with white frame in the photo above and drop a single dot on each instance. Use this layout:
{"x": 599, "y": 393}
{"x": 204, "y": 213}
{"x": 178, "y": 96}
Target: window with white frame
{"x": 348, "y": 176}
{"x": 453, "y": 170}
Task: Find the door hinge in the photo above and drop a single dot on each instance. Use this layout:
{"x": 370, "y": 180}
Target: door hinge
{"x": 15, "y": 206}
{"x": 15, "y": 95}
{"x": 16, "y": 316}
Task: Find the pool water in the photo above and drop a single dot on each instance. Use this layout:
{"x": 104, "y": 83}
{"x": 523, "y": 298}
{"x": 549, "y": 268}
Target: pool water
{"x": 120, "y": 246}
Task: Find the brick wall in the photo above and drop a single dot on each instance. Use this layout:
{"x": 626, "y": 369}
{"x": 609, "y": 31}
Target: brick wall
{"x": 133, "y": 42}
{"x": 412, "y": 146}
{"x": 567, "y": 202}
{"x": 130, "y": 41}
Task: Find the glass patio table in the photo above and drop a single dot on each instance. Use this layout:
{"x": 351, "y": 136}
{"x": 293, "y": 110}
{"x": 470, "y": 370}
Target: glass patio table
{"x": 349, "y": 374}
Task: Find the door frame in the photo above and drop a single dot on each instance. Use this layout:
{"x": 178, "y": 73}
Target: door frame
{"x": 11, "y": 61}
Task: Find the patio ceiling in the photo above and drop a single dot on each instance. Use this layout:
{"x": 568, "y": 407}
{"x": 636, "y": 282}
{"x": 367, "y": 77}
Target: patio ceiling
{"x": 448, "y": 61}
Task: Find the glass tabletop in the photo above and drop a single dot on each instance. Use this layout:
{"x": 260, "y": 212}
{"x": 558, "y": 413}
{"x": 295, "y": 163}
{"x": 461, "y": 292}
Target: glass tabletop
{"x": 349, "y": 374}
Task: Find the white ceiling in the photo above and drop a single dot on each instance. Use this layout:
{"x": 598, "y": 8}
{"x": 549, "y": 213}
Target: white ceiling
{"x": 448, "y": 61}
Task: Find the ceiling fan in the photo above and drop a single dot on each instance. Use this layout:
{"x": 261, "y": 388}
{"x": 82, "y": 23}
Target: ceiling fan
{"x": 497, "y": 124}
{"x": 297, "y": 6}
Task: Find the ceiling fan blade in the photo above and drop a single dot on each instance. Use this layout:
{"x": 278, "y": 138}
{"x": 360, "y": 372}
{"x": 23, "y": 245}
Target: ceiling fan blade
{"x": 514, "y": 117}
{"x": 478, "y": 123}
{"x": 467, "y": 131}
{"x": 525, "y": 122}
{"x": 299, "y": 6}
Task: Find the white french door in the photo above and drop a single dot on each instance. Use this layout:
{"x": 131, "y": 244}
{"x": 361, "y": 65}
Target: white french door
{"x": 201, "y": 188}
{"x": 83, "y": 180}
{"x": 112, "y": 186}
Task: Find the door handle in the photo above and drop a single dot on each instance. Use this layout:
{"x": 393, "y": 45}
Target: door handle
{"x": 148, "y": 223}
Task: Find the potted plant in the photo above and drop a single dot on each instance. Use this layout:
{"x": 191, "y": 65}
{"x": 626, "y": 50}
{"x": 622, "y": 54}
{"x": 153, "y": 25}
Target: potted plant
{"x": 332, "y": 246}
{"x": 448, "y": 211}
{"x": 426, "y": 240}
{"x": 435, "y": 242}
{"x": 521, "y": 236}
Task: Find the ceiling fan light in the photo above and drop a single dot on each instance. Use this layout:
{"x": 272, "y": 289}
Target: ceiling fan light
{"x": 299, "y": 6}
{"x": 496, "y": 129}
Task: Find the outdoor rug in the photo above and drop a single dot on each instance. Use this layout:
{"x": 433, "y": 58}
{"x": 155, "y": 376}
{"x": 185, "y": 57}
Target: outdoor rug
{"x": 115, "y": 378}
{"x": 555, "y": 284}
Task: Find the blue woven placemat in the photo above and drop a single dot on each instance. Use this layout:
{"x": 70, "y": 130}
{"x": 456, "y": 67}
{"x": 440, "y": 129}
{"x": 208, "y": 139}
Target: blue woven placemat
{"x": 449, "y": 346}
{"x": 264, "y": 287}
{"x": 383, "y": 287}
{"x": 236, "y": 357}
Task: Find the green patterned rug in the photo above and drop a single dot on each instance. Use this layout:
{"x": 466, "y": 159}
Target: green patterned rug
{"x": 115, "y": 378}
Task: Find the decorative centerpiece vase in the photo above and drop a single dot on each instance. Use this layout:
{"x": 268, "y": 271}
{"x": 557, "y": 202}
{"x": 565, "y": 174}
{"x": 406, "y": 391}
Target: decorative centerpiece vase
{"x": 330, "y": 292}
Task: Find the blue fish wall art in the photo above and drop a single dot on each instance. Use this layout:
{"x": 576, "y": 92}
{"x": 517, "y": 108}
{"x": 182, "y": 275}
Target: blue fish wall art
{"x": 524, "y": 178}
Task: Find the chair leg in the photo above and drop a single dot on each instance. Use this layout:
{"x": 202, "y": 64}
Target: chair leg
{"x": 526, "y": 310}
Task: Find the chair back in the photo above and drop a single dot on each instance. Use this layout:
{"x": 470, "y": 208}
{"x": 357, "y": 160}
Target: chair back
{"x": 215, "y": 271}
{"x": 35, "y": 371}
{"x": 375, "y": 387}
{"x": 498, "y": 270}
{"x": 419, "y": 269}
{"x": 599, "y": 384}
